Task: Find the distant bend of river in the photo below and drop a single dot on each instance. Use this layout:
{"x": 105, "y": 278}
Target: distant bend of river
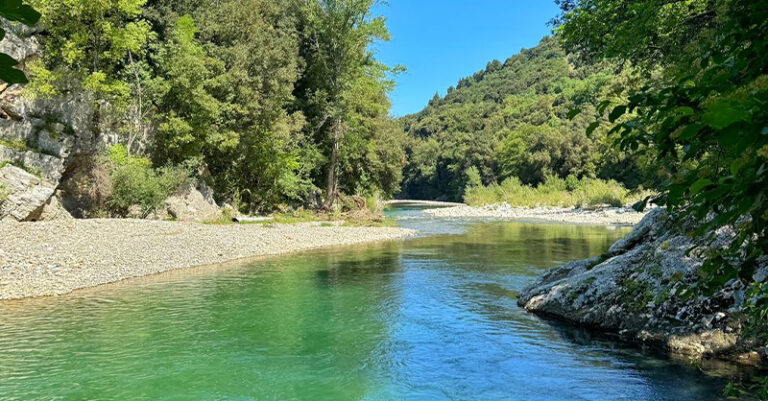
{"x": 431, "y": 318}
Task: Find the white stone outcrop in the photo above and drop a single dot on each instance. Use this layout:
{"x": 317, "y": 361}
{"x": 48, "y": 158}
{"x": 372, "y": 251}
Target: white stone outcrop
{"x": 192, "y": 203}
{"x": 25, "y": 194}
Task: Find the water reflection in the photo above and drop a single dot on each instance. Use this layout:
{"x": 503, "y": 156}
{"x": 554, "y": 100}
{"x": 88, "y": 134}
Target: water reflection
{"x": 430, "y": 319}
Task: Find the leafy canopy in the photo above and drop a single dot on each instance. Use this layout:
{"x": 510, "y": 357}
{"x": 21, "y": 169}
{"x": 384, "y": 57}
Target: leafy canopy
{"x": 701, "y": 103}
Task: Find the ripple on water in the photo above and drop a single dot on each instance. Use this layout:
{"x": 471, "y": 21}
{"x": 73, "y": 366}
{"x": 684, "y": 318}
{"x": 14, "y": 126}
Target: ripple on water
{"x": 433, "y": 318}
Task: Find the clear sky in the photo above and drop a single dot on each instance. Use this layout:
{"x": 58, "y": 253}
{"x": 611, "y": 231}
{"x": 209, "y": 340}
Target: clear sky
{"x": 442, "y": 41}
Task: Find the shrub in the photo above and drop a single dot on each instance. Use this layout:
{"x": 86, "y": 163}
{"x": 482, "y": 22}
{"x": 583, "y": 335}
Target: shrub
{"x": 554, "y": 191}
{"x": 136, "y": 183}
{"x": 572, "y": 183}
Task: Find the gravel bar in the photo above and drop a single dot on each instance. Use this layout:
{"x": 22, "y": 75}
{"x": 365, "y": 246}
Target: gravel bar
{"x": 57, "y": 257}
{"x": 609, "y": 216}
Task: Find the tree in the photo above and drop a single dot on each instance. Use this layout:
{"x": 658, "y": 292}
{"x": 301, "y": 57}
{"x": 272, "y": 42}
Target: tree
{"x": 99, "y": 47}
{"x": 336, "y": 35}
{"x": 700, "y": 103}
{"x": 15, "y": 10}
{"x": 514, "y": 122}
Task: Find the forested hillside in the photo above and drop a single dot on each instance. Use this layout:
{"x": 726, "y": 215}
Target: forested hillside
{"x": 512, "y": 120}
{"x": 270, "y": 102}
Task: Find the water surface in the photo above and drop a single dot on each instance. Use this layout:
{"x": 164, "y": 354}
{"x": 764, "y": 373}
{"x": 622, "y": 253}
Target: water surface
{"x": 433, "y": 318}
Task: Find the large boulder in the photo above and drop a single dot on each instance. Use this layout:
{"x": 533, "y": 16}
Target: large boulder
{"x": 192, "y": 203}
{"x": 636, "y": 291}
{"x": 53, "y": 210}
{"x": 23, "y": 195}
{"x": 47, "y": 166}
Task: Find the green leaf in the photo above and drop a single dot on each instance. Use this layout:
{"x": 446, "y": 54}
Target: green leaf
{"x": 602, "y": 106}
{"x": 699, "y": 185}
{"x": 9, "y": 74}
{"x": 592, "y": 127}
{"x": 640, "y": 206}
{"x": 684, "y": 111}
{"x": 690, "y": 131}
{"x": 617, "y": 112}
{"x": 724, "y": 113}
{"x": 14, "y": 10}
{"x": 573, "y": 113}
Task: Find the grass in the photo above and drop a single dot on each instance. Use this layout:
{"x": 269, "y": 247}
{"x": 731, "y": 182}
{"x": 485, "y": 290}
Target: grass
{"x": 3, "y": 193}
{"x": 366, "y": 218}
{"x": 31, "y": 170}
{"x": 555, "y": 192}
{"x": 16, "y": 144}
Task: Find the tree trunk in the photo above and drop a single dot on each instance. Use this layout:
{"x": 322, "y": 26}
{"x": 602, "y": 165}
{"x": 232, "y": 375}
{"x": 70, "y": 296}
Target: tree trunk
{"x": 332, "y": 188}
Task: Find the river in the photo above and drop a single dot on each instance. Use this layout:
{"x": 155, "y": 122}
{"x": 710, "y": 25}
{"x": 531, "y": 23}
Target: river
{"x": 431, "y": 318}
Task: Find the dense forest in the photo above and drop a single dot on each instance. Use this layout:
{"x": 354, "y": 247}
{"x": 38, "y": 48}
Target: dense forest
{"x": 269, "y": 102}
{"x": 283, "y": 104}
{"x": 512, "y": 120}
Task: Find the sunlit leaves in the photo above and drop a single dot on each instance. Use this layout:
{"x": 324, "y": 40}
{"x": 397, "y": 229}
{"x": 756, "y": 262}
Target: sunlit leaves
{"x": 722, "y": 113}
{"x": 702, "y": 108}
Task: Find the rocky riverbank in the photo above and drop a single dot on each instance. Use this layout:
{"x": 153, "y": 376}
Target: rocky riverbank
{"x": 635, "y": 291}
{"x": 594, "y": 216}
{"x": 57, "y": 257}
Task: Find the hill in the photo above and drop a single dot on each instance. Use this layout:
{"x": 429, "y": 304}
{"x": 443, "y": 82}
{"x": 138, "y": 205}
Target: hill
{"x": 511, "y": 120}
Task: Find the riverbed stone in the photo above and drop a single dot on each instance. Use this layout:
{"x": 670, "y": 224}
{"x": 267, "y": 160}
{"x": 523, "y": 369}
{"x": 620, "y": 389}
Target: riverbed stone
{"x": 54, "y": 210}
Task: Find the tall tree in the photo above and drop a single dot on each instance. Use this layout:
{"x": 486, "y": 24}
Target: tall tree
{"x": 336, "y": 35}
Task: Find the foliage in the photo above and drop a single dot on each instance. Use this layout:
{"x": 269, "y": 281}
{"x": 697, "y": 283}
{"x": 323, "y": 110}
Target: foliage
{"x": 235, "y": 89}
{"x": 701, "y": 104}
{"x": 17, "y": 11}
{"x": 93, "y": 41}
{"x": 512, "y": 120}
{"x": 136, "y": 183}
{"x": 553, "y": 192}
{"x": 343, "y": 93}
{"x": 16, "y": 144}
{"x": 700, "y": 101}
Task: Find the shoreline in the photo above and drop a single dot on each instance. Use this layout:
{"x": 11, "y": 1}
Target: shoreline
{"x": 608, "y": 216}
{"x": 58, "y": 257}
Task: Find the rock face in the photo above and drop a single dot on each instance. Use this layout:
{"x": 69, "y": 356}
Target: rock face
{"x": 25, "y": 194}
{"x": 39, "y": 136}
{"x": 635, "y": 291}
{"x": 54, "y": 210}
{"x": 192, "y": 203}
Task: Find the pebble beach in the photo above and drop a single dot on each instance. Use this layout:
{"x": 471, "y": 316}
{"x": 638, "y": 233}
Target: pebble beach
{"x": 57, "y": 257}
{"x": 609, "y": 216}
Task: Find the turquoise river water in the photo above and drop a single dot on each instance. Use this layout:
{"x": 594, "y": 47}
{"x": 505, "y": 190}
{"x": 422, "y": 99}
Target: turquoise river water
{"x": 431, "y": 318}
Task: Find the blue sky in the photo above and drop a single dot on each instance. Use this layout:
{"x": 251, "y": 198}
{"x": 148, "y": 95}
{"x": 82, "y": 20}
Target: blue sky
{"x": 441, "y": 41}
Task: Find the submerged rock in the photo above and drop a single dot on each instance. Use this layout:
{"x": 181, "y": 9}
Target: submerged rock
{"x": 637, "y": 291}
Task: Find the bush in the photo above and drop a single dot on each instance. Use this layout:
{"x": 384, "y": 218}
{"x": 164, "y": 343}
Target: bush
{"x": 136, "y": 183}
{"x": 554, "y": 191}
{"x": 572, "y": 183}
